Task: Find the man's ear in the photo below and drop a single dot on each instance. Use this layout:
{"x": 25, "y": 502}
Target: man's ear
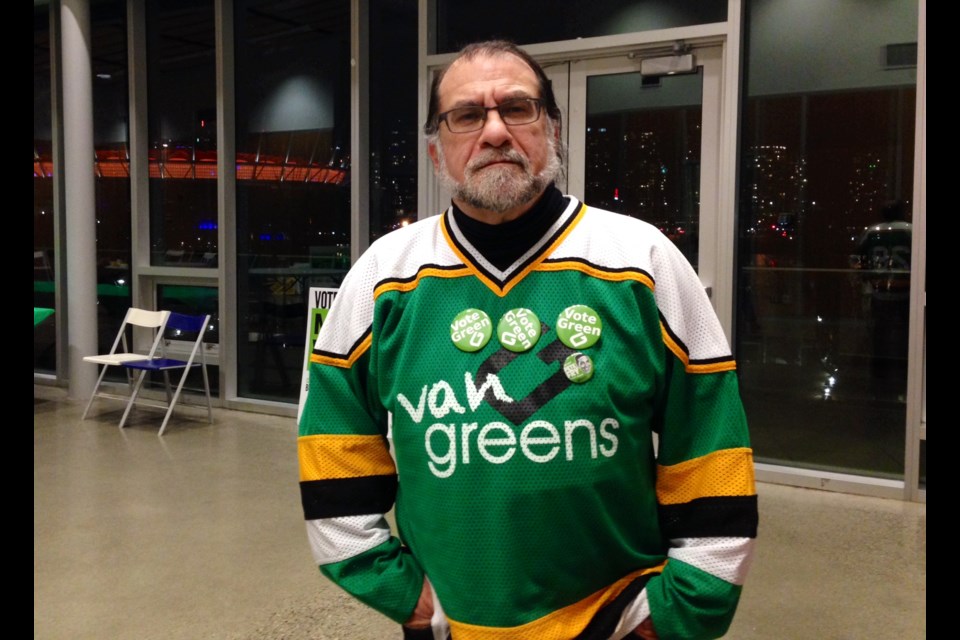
{"x": 432, "y": 150}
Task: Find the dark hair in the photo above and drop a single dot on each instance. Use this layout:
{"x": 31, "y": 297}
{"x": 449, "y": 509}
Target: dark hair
{"x": 491, "y": 48}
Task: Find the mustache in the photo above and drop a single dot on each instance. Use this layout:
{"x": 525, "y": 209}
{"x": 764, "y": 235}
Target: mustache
{"x": 497, "y": 155}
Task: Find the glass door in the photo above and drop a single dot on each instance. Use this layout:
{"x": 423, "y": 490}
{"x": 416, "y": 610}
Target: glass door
{"x": 645, "y": 144}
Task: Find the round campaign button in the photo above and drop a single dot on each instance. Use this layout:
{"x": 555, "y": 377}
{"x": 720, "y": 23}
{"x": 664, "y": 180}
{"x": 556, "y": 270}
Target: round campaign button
{"x": 579, "y": 326}
{"x": 578, "y": 367}
{"x": 519, "y": 330}
{"x": 471, "y": 330}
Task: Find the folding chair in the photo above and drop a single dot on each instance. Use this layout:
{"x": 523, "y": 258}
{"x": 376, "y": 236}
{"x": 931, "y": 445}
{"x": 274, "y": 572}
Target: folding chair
{"x": 182, "y": 324}
{"x": 121, "y": 352}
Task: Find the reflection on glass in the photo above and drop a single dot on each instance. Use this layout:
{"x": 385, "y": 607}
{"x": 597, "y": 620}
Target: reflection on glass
{"x": 824, "y": 244}
{"x": 394, "y": 130}
{"x": 643, "y": 152}
{"x": 44, "y": 332}
{"x": 293, "y": 188}
{"x": 112, "y": 177}
{"x": 827, "y": 138}
{"x": 182, "y": 101}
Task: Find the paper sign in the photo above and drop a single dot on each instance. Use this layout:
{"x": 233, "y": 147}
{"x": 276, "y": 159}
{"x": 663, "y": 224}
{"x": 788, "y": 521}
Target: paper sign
{"x": 320, "y": 300}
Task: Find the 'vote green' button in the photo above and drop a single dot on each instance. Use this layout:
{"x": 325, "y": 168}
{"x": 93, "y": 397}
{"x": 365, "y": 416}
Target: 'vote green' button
{"x": 519, "y": 330}
{"x": 471, "y": 330}
{"x": 579, "y": 326}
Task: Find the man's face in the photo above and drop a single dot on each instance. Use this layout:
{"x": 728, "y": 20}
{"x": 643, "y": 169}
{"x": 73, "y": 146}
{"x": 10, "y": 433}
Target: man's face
{"x": 495, "y": 173}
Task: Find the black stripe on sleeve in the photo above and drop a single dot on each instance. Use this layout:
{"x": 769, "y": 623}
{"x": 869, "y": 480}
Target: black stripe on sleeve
{"x": 418, "y": 634}
{"x": 347, "y": 496}
{"x": 721, "y": 517}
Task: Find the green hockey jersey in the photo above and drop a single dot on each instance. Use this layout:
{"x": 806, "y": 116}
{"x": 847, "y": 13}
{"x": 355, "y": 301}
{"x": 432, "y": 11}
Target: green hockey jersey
{"x": 563, "y": 442}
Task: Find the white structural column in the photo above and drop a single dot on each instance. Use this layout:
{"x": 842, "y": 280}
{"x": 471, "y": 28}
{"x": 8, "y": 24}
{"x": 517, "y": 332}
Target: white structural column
{"x": 79, "y": 198}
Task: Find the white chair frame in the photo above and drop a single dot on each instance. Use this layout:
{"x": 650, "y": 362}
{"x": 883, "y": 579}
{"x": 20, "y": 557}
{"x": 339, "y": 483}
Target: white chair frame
{"x": 121, "y": 352}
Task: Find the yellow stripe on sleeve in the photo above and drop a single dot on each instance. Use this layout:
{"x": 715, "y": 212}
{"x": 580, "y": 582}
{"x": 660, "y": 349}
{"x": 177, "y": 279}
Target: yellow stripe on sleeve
{"x": 329, "y": 457}
{"x": 722, "y": 473}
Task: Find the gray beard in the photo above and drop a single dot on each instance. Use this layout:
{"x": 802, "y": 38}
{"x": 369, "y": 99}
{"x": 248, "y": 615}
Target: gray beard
{"x": 499, "y": 189}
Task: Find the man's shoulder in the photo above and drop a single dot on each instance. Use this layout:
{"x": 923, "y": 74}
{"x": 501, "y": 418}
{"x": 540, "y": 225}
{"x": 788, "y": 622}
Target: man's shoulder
{"x": 405, "y": 236}
{"x": 612, "y": 240}
{"x": 404, "y": 233}
{"x": 398, "y": 254}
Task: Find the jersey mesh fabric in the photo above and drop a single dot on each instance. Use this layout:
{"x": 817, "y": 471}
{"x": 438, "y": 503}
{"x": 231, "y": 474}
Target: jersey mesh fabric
{"x": 528, "y": 499}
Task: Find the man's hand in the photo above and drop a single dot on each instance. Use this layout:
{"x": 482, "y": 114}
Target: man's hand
{"x": 645, "y": 630}
{"x": 423, "y": 612}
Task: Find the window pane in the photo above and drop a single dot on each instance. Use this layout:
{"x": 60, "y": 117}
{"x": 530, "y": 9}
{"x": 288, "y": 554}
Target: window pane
{"x": 44, "y": 331}
{"x": 181, "y": 72}
{"x": 823, "y": 294}
{"x": 394, "y": 130}
{"x": 293, "y": 189}
{"x": 643, "y": 152}
{"x": 112, "y": 169}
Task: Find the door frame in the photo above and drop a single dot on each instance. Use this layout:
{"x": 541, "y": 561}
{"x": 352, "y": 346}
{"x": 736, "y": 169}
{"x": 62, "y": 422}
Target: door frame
{"x": 710, "y": 60}
{"x": 709, "y": 43}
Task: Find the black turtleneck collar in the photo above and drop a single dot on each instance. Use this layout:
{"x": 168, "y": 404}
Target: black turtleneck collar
{"x": 503, "y": 243}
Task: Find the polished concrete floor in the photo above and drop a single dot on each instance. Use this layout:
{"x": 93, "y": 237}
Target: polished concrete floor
{"x": 199, "y": 535}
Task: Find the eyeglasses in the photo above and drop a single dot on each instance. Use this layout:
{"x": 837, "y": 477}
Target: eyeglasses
{"x": 512, "y": 112}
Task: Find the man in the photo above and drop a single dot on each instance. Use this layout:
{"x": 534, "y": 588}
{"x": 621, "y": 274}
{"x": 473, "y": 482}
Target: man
{"x": 570, "y": 457}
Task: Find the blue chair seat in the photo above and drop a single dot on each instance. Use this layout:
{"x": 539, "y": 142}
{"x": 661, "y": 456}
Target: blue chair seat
{"x": 159, "y": 364}
{"x": 178, "y": 325}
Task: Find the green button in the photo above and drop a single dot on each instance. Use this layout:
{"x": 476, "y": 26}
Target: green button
{"x": 519, "y": 330}
{"x": 579, "y": 327}
{"x": 471, "y": 330}
{"x": 578, "y": 367}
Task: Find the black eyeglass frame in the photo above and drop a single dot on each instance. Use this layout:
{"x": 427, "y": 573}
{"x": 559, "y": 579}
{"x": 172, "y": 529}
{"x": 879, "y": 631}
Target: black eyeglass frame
{"x": 538, "y": 109}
